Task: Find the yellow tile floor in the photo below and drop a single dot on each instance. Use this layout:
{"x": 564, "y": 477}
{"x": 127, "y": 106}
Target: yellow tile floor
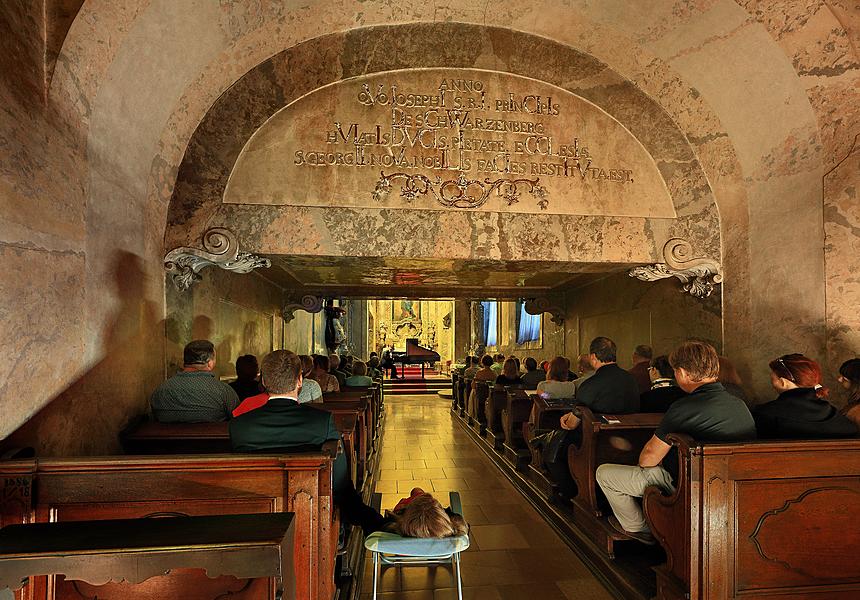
{"x": 514, "y": 553}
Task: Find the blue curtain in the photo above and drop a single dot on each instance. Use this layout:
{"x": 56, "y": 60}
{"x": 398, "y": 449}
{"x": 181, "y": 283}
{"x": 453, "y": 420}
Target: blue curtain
{"x": 529, "y": 325}
{"x": 491, "y": 320}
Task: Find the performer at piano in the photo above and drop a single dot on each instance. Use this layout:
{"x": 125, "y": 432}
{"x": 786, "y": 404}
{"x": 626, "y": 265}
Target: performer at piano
{"x": 388, "y": 361}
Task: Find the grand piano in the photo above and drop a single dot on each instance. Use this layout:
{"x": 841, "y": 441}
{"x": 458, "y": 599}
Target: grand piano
{"x": 415, "y": 354}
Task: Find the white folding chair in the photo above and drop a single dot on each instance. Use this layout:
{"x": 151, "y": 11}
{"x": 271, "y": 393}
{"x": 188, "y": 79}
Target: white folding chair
{"x": 390, "y": 549}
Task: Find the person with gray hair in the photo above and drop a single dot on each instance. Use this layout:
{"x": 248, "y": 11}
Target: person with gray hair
{"x": 195, "y": 394}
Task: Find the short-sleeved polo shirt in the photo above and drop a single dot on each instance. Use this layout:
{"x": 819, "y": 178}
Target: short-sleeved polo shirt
{"x": 193, "y": 397}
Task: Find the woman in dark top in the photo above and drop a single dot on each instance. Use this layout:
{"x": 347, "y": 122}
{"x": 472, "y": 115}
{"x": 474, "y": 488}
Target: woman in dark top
{"x": 664, "y": 391}
{"x": 510, "y": 373}
{"x": 801, "y": 411}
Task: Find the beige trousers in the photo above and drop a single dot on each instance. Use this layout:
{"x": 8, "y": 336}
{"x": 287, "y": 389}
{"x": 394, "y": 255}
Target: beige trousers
{"x": 623, "y": 484}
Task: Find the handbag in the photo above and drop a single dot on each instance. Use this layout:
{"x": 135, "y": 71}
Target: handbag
{"x": 551, "y": 442}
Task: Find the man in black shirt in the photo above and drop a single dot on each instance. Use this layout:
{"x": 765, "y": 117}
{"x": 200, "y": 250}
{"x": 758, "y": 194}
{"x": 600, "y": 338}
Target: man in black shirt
{"x": 708, "y": 412}
{"x": 611, "y": 390}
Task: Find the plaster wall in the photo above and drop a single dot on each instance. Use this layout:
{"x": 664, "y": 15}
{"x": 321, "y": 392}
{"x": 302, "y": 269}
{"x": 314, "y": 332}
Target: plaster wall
{"x": 632, "y": 312}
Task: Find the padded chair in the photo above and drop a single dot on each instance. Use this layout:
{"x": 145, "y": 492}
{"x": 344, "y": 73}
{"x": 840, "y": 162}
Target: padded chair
{"x": 390, "y": 549}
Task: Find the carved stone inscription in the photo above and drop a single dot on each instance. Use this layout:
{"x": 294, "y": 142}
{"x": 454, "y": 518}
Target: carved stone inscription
{"x": 449, "y": 139}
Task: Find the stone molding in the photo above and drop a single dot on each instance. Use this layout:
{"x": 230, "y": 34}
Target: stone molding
{"x": 699, "y": 275}
{"x": 308, "y": 303}
{"x": 536, "y": 306}
{"x": 220, "y": 248}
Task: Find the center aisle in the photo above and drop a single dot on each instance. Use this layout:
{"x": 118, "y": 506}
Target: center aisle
{"x": 514, "y": 553}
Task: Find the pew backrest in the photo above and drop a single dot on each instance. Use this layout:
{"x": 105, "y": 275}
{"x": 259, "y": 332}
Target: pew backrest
{"x": 766, "y": 519}
{"x": 117, "y": 487}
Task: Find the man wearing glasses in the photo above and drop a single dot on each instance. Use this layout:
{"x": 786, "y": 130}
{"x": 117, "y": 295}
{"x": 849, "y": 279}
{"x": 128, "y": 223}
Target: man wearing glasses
{"x": 708, "y": 412}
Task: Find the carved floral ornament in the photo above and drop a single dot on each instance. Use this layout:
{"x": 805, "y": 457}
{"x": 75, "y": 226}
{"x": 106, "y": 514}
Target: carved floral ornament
{"x": 220, "y": 248}
{"x": 536, "y": 306}
{"x": 699, "y": 275}
{"x": 308, "y": 303}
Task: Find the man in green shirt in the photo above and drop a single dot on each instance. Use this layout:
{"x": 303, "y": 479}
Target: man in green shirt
{"x": 708, "y": 412}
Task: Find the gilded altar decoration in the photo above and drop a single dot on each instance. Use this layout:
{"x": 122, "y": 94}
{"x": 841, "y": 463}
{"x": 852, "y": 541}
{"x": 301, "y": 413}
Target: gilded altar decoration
{"x": 220, "y": 248}
{"x": 460, "y": 192}
{"x": 698, "y": 275}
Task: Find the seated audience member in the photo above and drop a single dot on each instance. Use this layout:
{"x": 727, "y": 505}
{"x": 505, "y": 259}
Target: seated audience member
{"x": 516, "y": 360}
{"x": 422, "y": 516}
{"x": 533, "y": 376}
{"x": 584, "y": 369}
{"x": 611, "y": 390}
{"x": 346, "y": 364}
{"x": 801, "y": 411}
{"x": 664, "y": 391}
{"x": 473, "y": 366}
{"x": 311, "y": 391}
{"x": 641, "y": 362}
{"x": 849, "y": 378}
{"x": 195, "y": 394}
{"x": 499, "y": 363}
{"x": 359, "y": 376}
{"x": 556, "y": 384}
{"x": 485, "y": 373}
{"x": 707, "y": 412}
{"x": 284, "y": 425}
{"x": 544, "y": 366}
{"x": 731, "y": 380}
{"x": 373, "y": 370}
{"x": 510, "y": 374}
{"x": 335, "y": 370}
{"x": 320, "y": 374}
{"x": 246, "y": 383}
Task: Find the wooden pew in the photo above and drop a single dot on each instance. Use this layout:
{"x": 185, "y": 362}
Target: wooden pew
{"x": 465, "y": 390}
{"x": 128, "y": 487}
{"x": 478, "y": 419}
{"x": 545, "y": 416}
{"x": 767, "y": 519}
{"x": 359, "y": 404}
{"x": 455, "y": 390}
{"x": 516, "y": 413}
{"x": 495, "y": 403}
{"x": 147, "y": 437}
{"x": 602, "y": 442}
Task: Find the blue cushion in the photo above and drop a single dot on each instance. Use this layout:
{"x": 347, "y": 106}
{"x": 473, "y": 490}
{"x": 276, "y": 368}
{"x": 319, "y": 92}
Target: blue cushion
{"x": 391, "y": 543}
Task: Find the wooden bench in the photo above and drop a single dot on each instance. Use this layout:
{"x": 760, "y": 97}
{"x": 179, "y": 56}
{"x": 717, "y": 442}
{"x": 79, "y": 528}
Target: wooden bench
{"x": 133, "y": 550}
{"x": 768, "y": 519}
{"x": 495, "y": 403}
{"x": 125, "y": 487}
{"x": 478, "y": 418}
{"x": 545, "y": 416}
{"x": 516, "y": 413}
{"x": 602, "y": 442}
{"x": 147, "y": 437}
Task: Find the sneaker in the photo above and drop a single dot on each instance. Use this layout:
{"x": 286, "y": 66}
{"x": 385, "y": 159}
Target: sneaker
{"x": 640, "y": 536}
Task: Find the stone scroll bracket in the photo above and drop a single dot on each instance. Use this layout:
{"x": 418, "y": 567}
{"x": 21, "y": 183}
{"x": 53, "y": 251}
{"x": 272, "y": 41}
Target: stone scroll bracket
{"x": 308, "y": 303}
{"x": 220, "y": 248}
{"x": 699, "y": 276}
{"x": 537, "y": 306}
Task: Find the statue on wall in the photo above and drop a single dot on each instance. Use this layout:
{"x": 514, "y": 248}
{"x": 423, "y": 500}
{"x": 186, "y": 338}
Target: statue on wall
{"x": 446, "y": 321}
{"x": 382, "y": 335}
{"x": 335, "y": 335}
{"x": 431, "y": 335}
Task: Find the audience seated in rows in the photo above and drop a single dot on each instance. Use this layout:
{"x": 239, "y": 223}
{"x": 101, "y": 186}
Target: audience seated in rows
{"x": 284, "y": 425}
{"x": 359, "y": 376}
{"x": 195, "y": 394}
{"x": 731, "y": 380}
{"x": 801, "y": 411}
{"x": 707, "y": 412}
{"x": 584, "y": 370}
{"x": 247, "y": 384}
{"x": 335, "y": 370}
{"x": 642, "y": 356}
{"x": 311, "y": 391}
{"x": 320, "y": 374}
{"x": 533, "y": 376}
{"x": 849, "y": 377}
{"x": 611, "y": 390}
{"x": 664, "y": 391}
{"x": 510, "y": 374}
{"x": 346, "y": 364}
{"x": 485, "y": 373}
{"x": 373, "y": 370}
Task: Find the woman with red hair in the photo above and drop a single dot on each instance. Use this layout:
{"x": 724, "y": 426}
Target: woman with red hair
{"x": 801, "y": 411}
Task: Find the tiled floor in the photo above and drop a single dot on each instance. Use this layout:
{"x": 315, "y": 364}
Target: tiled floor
{"x": 514, "y": 553}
